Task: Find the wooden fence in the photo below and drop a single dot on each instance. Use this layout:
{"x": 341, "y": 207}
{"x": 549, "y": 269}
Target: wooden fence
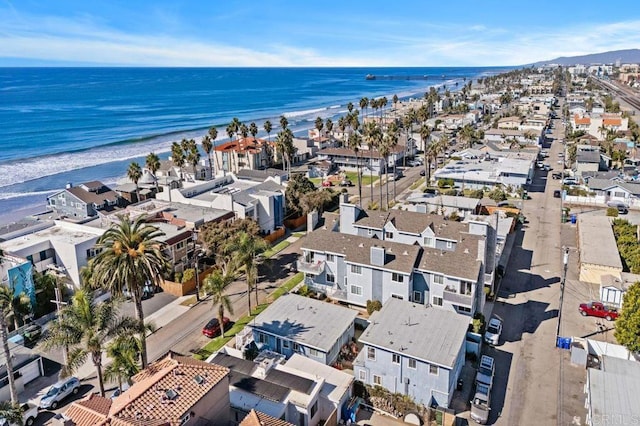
{"x": 182, "y": 289}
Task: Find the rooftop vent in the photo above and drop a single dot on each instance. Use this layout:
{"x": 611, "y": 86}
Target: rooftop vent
{"x": 199, "y": 379}
{"x": 170, "y": 394}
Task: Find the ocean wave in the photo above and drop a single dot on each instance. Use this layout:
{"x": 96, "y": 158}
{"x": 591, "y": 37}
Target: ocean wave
{"x": 9, "y": 195}
{"x": 294, "y": 114}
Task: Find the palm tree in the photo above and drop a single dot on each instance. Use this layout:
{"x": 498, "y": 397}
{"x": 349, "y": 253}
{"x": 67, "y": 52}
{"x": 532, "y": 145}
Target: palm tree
{"x": 280, "y": 142}
{"x": 152, "y": 163}
{"x": 289, "y": 148}
{"x": 19, "y": 308}
{"x": 216, "y": 284}
{"x": 364, "y": 103}
{"x": 134, "y": 172}
{"x": 6, "y": 297}
{"x": 208, "y": 143}
{"x": 253, "y": 129}
{"x": 394, "y": 100}
{"x": 246, "y": 249}
{"x": 371, "y": 131}
{"x": 85, "y": 327}
{"x": 178, "y": 156}
{"x": 11, "y": 412}
{"x": 392, "y": 139}
{"x": 425, "y": 133}
{"x": 124, "y": 352}
{"x": 193, "y": 155}
{"x": 384, "y": 149}
{"x": 329, "y": 126}
{"x": 268, "y": 127}
{"x": 130, "y": 257}
{"x": 319, "y": 124}
{"x": 355, "y": 140}
{"x": 466, "y": 135}
{"x": 284, "y": 123}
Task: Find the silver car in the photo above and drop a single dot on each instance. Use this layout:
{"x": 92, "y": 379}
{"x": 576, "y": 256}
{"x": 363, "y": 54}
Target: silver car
{"x": 58, "y": 392}
{"x": 481, "y": 404}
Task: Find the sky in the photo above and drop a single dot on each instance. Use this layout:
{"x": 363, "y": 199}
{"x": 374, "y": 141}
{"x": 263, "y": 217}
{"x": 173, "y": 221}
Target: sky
{"x": 304, "y": 33}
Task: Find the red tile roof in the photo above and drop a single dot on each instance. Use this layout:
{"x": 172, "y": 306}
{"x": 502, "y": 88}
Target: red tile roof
{"x": 256, "y": 418}
{"x": 581, "y": 120}
{"x": 612, "y": 121}
{"x": 91, "y": 411}
{"x": 249, "y": 144}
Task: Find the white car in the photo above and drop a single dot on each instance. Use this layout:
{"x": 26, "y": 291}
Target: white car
{"x": 494, "y": 329}
{"x": 58, "y": 392}
{"x": 29, "y": 415}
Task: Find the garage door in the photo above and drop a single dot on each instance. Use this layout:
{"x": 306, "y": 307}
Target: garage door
{"x": 30, "y": 371}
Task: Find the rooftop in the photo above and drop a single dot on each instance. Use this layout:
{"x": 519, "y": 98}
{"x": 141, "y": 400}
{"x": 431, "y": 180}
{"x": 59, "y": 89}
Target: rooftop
{"x": 62, "y": 232}
{"x": 256, "y": 418}
{"x": 356, "y": 249}
{"x": 412, "y": 222}
{"x": 462, "y": 262}
{"x": 430, "y": 334}
{"x": 613, "y": 391}
{"x": 597, "y": 242}
{"x": 336, "y": 382}
{"x": 308, "y": 321}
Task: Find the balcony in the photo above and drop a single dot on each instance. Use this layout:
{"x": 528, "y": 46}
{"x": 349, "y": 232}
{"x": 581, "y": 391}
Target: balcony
{"x": 457, "y": 298}
{"x": 313, "y": 268}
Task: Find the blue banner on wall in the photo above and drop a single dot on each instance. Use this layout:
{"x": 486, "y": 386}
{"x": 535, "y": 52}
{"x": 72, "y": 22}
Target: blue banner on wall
{"x": 21, "y": 280}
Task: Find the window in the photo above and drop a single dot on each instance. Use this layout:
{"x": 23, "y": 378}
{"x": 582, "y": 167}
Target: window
{"x": 355, "y": 289}
{"x": 185, "y": 419}
{"x": 262, "y": 338}
{"x": 371, "y": 354}
{"x": 314, "y": 409}
{"x": 412, "y": 363}
{"x": 314, "y": 353}
{"x": 388, "y": 235}
{"x": 331, "y": 258}
{"x": 43, "y": 255}
{"x": 438, "y": 279}
{"x": 397, "y": 296}
{"x": 296, "y": 347}
{"x": 464, "y": 309}
{"x": 180, "y": 245}
{"x": 397, "y": 277}
{"x": 377, "y": 380}
{"x": 285, "y": 344}
{"x": 449, "y": 244}
{"x": 331, "y": 278}
{"x": 79, "y": 206}
{"x": 433, "y": 369}
{"x": 417, "y": 296}
{"x": 395, "y": 358}
{"x": 356, "y": 269}
{"x": 437, "y": 301}
{"x": 362, "y": 375}
{"x": 369, "y": 231}
{"x": 465, "y": 287}
{"x": 428, "y": 241}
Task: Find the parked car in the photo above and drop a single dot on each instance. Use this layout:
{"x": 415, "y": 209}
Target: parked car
{"x": 481, "y": 404}
{"x": 58, "y": 392}
{"x": 29, "y": 415}
{"x": 569, "y": 181}
{"x": 346, "y": 182}
{"x": 212, "y": 328}
{"x": 557, "y": 193}
{"x": 116, "y": 393}
{"x": 597, "y": 309}
{"x": 494, "y": 329}
{"x": 556, "y": 175}
{"x": 32, "y": 333}
{"x": 622, "y": 210}
{"x": 422, "y": 172}
{"x": 486, "y": 370}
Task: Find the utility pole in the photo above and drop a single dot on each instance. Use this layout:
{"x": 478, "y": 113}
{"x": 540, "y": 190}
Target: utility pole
{"x": 196, "y": 255}
{"x": 565, "y": 264}
{"x": 59, "y": 304}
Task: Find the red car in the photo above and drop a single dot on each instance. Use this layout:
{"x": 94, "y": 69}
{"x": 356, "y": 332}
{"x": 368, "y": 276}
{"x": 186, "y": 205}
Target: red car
{"x": 327, "y": 183}
{"x": 212, "y": 329}
{"x": 597, "y": 309}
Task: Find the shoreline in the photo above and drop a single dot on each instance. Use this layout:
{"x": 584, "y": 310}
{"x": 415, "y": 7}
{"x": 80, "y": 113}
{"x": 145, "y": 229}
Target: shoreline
{"x": 26, "y": 202}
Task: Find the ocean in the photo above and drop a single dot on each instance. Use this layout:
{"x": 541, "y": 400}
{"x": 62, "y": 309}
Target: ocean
{"x": 71, "y": 125}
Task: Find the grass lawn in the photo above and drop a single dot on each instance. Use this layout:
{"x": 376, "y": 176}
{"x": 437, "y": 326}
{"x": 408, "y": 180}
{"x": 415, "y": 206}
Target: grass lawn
{"x": 217, "y": 343}
{"x": 277, "y": 249}
{"x": 366, "y": 179}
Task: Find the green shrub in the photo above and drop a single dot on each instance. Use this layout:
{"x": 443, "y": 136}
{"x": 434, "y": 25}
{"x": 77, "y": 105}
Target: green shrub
{"x": 188, "y": 275}
{"x": 177, "y": 277}
{"x": 373, "y": 305}
{"x": 612, "y": 212}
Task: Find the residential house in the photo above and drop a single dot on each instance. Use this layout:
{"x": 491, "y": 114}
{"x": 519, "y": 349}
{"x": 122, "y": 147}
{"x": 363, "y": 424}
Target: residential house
{"x": 507, "y": 135}
{"x": 598, "y": 250}
{"x": 413, "y": 351}
{"x": 355, "y": 269}
{"x": 445, "y": 205}
{"x": 348, "y": 159}
{"x": 244, "y": 153}
{"x": 613, "y": 289}
{"x": 263, "y": 202}
{"x": 303, "y": 325}
{"x": 511, "y": 122}
{"x": 173, "y": 391}
{"x": 62, "y": 245}
{"x": 266, "y": 385}
{"x": 147, "y": 186}
{"x": 27, "y": 366}
{"x": 614, "y": 190}
{"x": 612, "y": 392}
{"x": 589, "y": 160}
{"x": 84, "y": 201}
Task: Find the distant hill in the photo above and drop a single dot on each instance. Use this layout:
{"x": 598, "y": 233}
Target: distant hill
{"x": 625, "y": 56}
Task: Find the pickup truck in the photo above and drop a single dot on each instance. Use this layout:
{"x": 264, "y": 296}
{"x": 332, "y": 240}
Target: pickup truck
{"x": 29, "y": 415}
{"x": 597, "y": 309}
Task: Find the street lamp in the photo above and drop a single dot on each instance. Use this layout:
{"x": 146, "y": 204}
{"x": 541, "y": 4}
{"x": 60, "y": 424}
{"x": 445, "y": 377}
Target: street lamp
{"x": 565, "y": 264}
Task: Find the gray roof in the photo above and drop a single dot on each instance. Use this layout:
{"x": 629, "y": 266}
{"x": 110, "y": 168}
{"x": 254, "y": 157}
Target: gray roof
{"x": 463, "y": 262}
{"x": 597, "y": 242}
{"x": 596, "y": 184}
{"x": 412, "y": 222}
{"x": 614, "y": 391}
{"x": 433, "y": 335}
{"x": 355, "y": 249}
{"x": 259, "y": 175}
{"x": 588, "y": 157}
{"x": 464, "y": 203}
{"x": 305, "y": 320}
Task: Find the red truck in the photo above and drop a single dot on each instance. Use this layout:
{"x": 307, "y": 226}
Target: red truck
{"x": 597, "y": 309}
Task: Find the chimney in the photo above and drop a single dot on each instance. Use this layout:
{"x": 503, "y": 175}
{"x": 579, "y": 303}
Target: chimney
{"x": 69, "y": 185}
{"x": 378, "y": 256}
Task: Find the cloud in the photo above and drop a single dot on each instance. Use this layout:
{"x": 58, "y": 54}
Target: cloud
{"x": 86, "y": 39}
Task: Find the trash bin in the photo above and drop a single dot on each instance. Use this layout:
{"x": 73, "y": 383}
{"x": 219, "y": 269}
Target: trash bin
{"x": 574, "y": 219}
